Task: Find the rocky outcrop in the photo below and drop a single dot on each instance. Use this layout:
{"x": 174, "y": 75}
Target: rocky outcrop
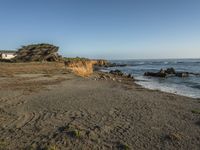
{"x": 85, "y": 67}
{"x": 106, "y": 64}
{"x": 168, "y": 72}
{"x": 115, "y": 65}
{"x": 155, "y": 74}
{"x": 120, "y": 73}
{"x": 117, "y": 72}
{"x": 81, "y": 67}
{"x": 37, "y": 52}
{"x": 101, "y": 63}
{"x": 182, "y": 74}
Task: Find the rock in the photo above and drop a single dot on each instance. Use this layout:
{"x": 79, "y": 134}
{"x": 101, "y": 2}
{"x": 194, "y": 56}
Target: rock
{"x": 170, "y": 71}
{"x": 105, "y": 63}
{"x": 117, "y": 72}
{"x": 115, "y": 65}
{"x": 182, "y": 74}
{"x": 119, "y": 80}
{"x": 121, "y": 74}
{"x": 167, "y": 72}
{"x": 113, "y": 79}
{"x": 102, "y": 63}
{"x": 129, "y": 76}
{"x": 162, "y": 73}
{"x": 37, "y": 52}
{"x": 195, "y": 74}
{"x": 157, "y": 74}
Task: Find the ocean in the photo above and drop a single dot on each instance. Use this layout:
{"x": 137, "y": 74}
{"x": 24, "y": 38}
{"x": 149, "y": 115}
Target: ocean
{"x": 188, "y": 86}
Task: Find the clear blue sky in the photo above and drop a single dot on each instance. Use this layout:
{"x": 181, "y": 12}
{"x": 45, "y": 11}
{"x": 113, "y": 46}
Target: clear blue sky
{"x": 111, "y": 29}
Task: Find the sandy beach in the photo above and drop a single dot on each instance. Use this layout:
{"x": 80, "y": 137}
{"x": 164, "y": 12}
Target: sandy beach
{"x": 45, "y": 106}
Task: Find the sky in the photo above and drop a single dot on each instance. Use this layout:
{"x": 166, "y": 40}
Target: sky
{"x": 109, "y": 29}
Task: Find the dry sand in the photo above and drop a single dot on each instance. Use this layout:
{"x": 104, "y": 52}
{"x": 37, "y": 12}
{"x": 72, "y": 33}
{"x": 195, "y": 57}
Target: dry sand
{"x": 53, "y": 109}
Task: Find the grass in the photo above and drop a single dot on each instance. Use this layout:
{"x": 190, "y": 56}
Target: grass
{"x": 70, "y": 131}
{"x": 2, "y": 145}
{"x": 175, "y": 136}
{"x": 31, "y": 68}
{"x": 82, "y": 68}
{"x": 74, "y": 133}
{"x": 196, "y": 111}
{"x": 52, "y": 147}
{"x": 123, "y": 146}
{"x": 74, "y": 59}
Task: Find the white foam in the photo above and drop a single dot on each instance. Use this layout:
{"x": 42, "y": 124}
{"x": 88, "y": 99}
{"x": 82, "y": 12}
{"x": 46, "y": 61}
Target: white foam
{"x": 168, "y": 87}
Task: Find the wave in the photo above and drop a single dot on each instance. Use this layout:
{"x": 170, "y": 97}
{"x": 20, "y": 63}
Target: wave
{"x": 169, "y": 88}
{"x": 196, "y": 86}
{"x": 182, "y": 86}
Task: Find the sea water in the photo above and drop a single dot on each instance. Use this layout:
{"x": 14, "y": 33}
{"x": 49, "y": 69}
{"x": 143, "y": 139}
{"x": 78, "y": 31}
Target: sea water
{"x": 187, "y": 86}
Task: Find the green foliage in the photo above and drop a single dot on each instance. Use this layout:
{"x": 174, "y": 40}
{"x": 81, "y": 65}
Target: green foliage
{"x": 52, "y": 147}
{"x": 123, "y": 146}
{"x": 2, "y": 145}
{"x": 75, "y": 59}
{"x": 37, "y": 52}
{"x": 75, "y": 133}
{"x": 38, "y": 46}
{"x": 71, "y": 131}
{"x": 196, "y": 111}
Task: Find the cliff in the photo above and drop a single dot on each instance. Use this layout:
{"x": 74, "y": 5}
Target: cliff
{"x": 83, "y": 67}
{"x": 80, "y": 67}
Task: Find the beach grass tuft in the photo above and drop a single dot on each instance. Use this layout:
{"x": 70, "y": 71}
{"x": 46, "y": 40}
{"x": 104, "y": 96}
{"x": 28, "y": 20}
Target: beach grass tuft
{"x": 74, "y": 133}
{"x": 3, "y": 145}
{"x": 52, "y": 147}
{"x": 123, "y": 146}
{"x": 196, "y": 111}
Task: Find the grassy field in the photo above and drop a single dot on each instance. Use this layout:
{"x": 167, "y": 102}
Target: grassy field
{"x": 9, "y": 69}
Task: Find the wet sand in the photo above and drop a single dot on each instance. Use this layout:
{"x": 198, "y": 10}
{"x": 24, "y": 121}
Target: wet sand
{"x": 59, "y": 110}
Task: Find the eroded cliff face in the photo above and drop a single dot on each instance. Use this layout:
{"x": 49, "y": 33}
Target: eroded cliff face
{"x": 102, "y": 62}
{"x": 83, "y": 67}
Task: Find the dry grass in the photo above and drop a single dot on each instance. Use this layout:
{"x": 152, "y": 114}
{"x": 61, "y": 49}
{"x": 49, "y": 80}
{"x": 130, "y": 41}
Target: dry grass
{"x": 196, "y": 111}
{"x": 30, "y": 79}
{"x": 28, "y": 76}
{"x": 8, "y": 69}
{"x": 29, "y": 85}
{"x": 82, "y": 68}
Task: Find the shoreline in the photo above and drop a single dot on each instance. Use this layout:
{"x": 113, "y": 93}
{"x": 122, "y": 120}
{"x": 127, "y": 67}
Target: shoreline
{"x": 166, "y": 91}
{"x": 152, "y": 89}
{"x": 169, "y": 84}
{"x": 136, "y": 81}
